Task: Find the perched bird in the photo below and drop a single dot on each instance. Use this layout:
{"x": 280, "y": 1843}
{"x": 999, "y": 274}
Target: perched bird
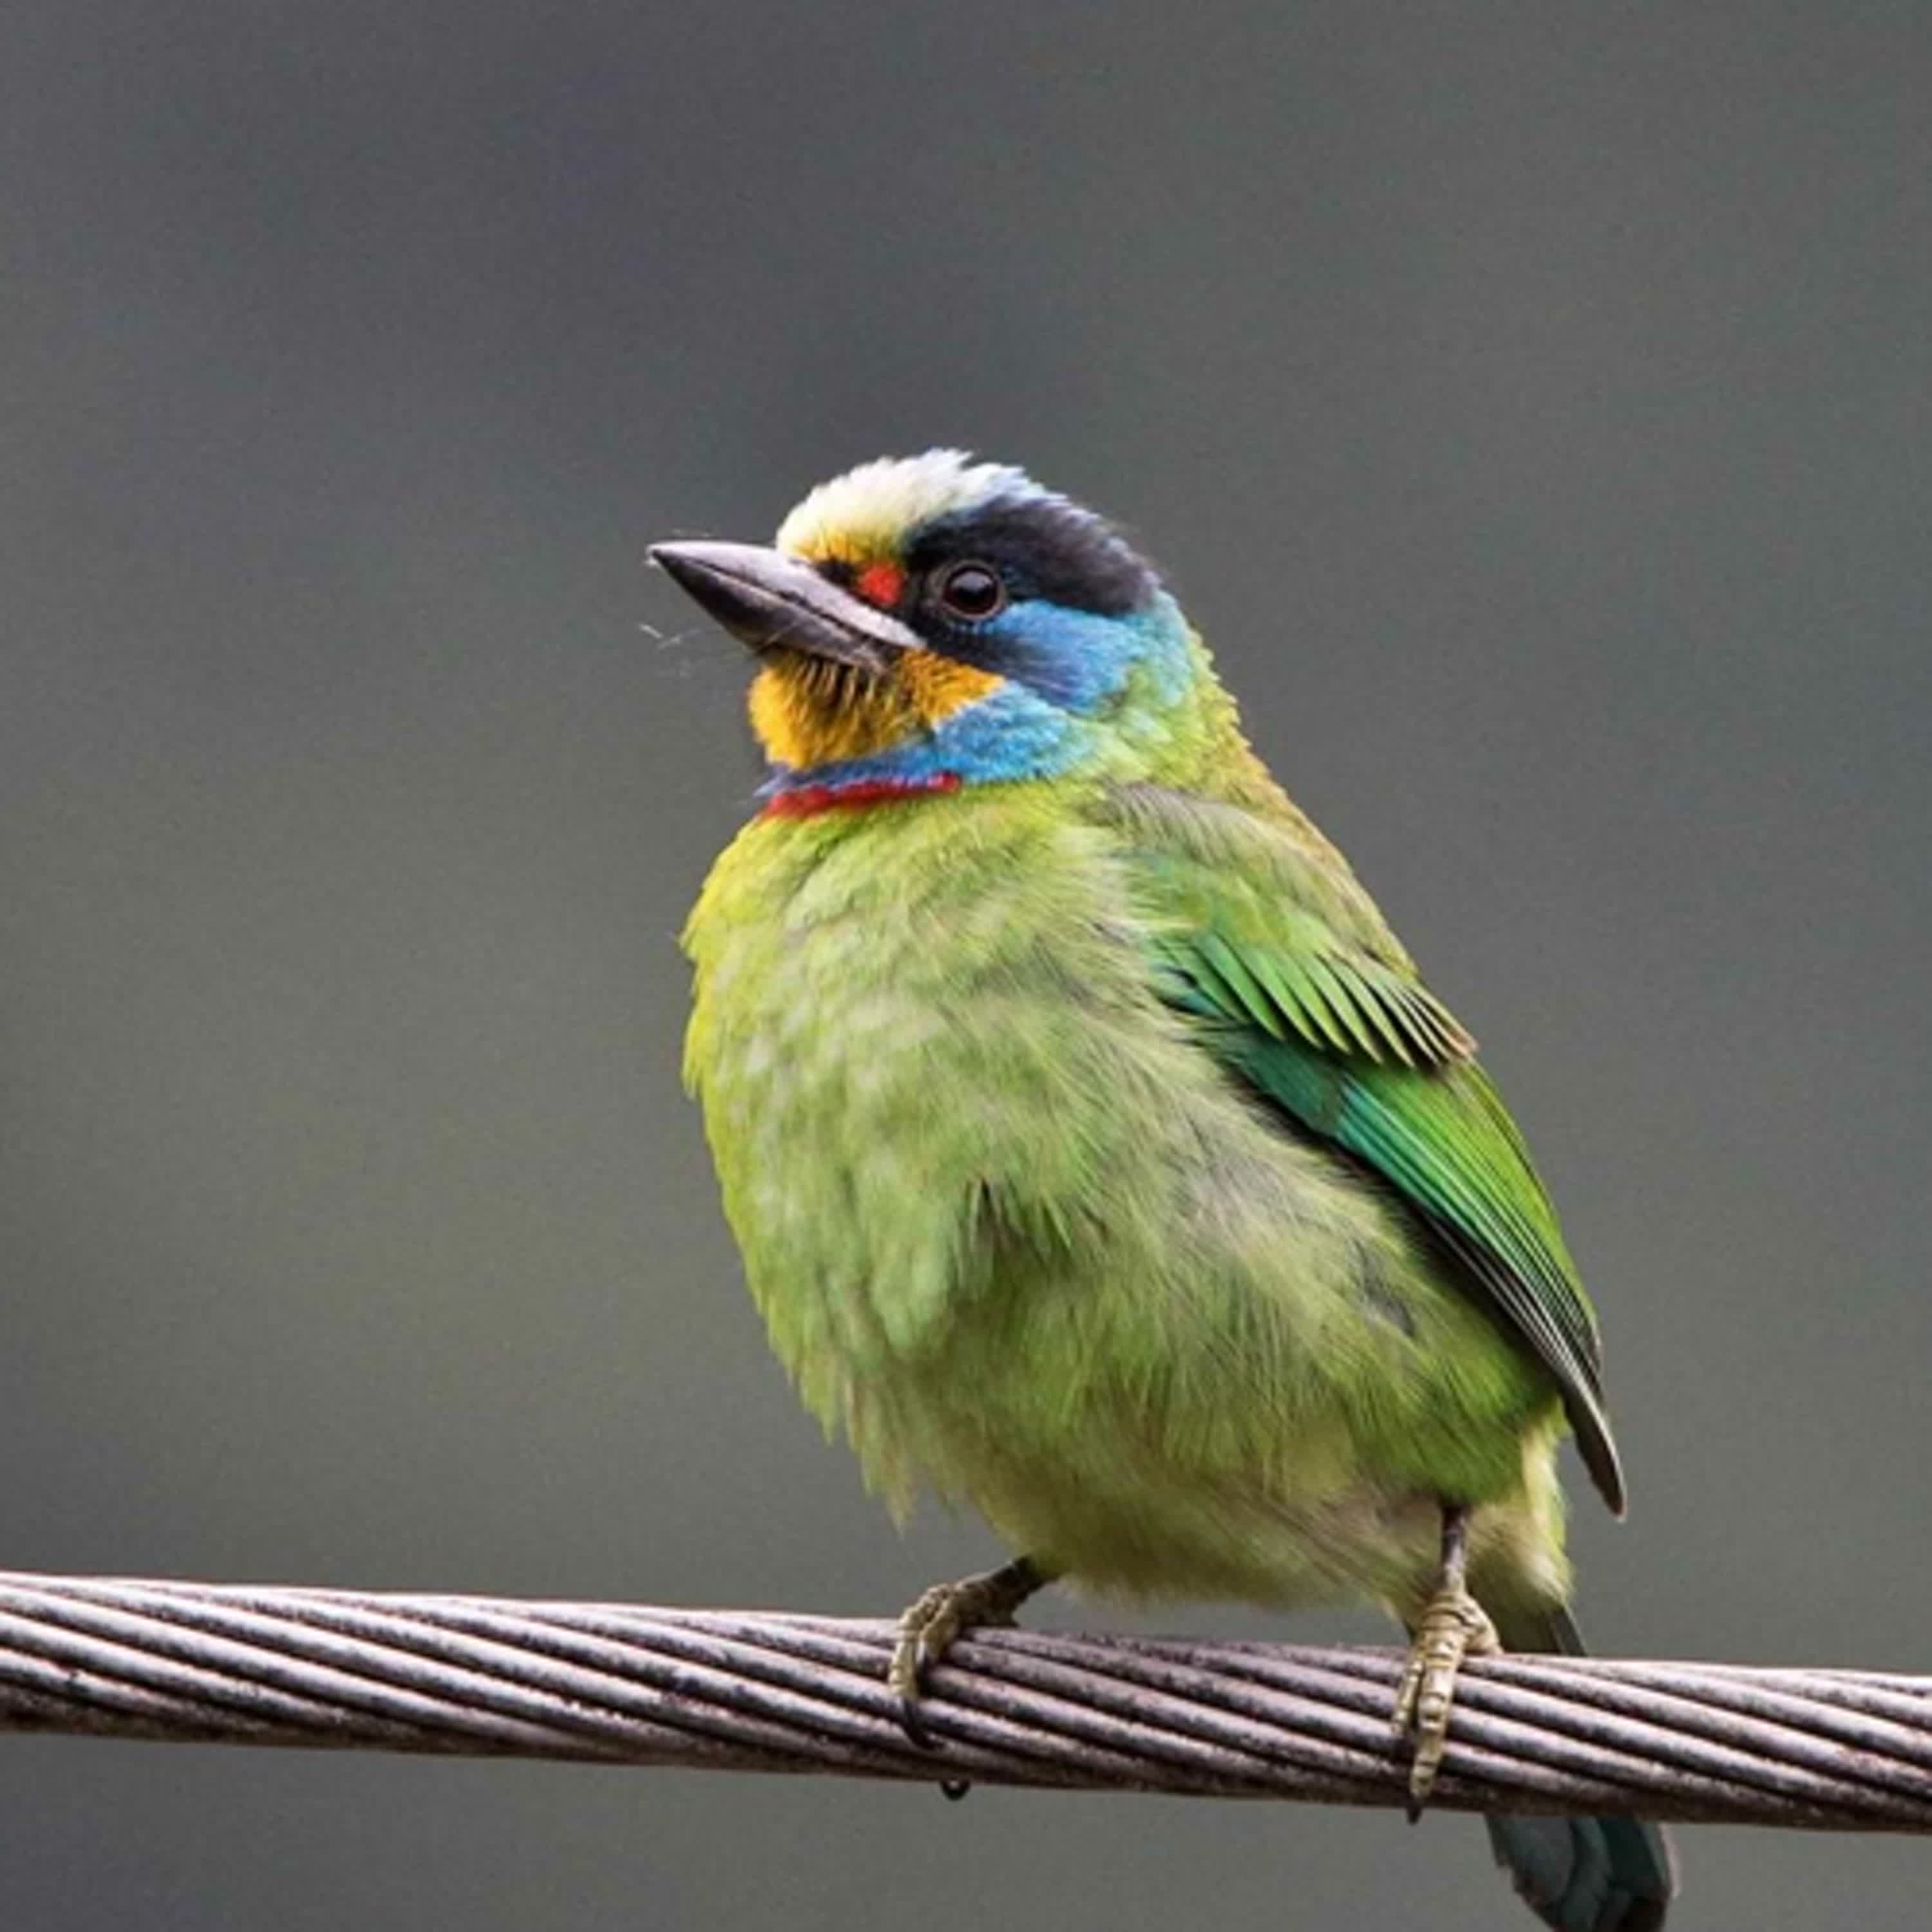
{"x": 1097, "y": 1155}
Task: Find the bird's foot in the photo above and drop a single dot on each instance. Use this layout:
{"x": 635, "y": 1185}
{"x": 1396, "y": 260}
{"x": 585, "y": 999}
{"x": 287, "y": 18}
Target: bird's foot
{"x": 1452, "y": 1627}
{"x": 942, "y": 1615}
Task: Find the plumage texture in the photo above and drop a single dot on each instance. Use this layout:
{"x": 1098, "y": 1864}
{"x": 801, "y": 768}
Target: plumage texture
{"x": 1097, "y": 1156}
{"x": 1018, "y": 1234}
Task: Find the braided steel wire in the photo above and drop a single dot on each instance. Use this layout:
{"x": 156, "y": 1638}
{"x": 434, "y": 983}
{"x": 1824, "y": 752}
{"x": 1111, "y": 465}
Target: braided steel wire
{"x": 752, "y": 1690}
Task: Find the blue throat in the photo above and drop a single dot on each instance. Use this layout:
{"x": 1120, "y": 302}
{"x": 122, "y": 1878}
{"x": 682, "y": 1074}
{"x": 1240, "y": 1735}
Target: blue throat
{"x": 1064, "y": 671}
{"x": 1010, "y": 733}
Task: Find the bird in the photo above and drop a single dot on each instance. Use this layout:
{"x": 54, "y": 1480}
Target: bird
{"x": 1097, "y": 1156}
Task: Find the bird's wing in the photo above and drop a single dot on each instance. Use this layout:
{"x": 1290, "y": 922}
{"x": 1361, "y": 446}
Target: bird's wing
{"x": 1262, "y": 935}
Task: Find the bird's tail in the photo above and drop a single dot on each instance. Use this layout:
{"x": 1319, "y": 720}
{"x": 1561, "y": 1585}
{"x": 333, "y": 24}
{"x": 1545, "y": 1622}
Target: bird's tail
{"x": 1581, "y": 1874}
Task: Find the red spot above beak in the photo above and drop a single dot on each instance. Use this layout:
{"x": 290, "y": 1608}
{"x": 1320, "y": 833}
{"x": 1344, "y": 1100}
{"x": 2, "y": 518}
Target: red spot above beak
{"x": 880, "y": 584}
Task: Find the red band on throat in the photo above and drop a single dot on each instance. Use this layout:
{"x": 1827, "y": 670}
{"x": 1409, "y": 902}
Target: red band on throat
{"x": 807, "y": 801}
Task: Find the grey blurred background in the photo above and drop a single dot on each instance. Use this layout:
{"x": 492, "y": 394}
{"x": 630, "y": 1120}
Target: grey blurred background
{"x": 1530, "y": 401}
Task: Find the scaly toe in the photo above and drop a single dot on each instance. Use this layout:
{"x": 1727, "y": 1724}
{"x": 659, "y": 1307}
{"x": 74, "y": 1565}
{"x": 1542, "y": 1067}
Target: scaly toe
{"x": 930, "y": 1626}
{"x": 1452, "y": 1627}
{"x": 927, "y": 1627}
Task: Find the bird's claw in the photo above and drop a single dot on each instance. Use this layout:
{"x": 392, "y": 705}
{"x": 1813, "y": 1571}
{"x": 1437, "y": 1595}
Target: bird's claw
{"x": 936, "y": 1619}
{"x": 1452, "y": 1627}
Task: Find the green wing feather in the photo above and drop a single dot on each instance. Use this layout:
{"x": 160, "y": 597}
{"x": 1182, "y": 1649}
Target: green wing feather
{"x": 1266, "y": 938}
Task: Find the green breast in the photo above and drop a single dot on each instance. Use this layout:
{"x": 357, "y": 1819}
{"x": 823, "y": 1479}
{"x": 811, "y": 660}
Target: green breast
{"x": 1015, "y": 1232}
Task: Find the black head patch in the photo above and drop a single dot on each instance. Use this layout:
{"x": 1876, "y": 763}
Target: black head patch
{"x": 1041, "y": 546}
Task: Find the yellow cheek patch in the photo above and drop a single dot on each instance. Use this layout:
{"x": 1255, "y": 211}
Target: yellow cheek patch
{"x": 937, "y": 686}
{"x": 807, "y": 713}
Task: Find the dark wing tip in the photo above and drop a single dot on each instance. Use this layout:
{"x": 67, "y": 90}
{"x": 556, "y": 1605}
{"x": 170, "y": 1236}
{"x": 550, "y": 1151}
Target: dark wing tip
{"x": 1598, "y": 1451}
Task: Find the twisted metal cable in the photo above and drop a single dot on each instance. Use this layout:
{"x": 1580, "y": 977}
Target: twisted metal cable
{"x": 750, "y": 1690}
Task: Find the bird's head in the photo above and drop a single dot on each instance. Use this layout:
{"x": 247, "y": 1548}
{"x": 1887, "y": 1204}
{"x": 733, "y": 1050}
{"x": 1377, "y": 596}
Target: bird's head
{"x": 930, "y": 622}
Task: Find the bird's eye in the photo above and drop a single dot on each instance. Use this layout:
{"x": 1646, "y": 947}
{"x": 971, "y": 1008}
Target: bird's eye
{"x": 972, "y": 591}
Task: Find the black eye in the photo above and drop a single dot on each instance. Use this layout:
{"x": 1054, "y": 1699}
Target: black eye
{"x": 972, "y": 591}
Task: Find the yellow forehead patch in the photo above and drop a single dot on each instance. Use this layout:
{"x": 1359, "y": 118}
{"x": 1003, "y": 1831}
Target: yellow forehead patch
{"x": 862, "y": 517}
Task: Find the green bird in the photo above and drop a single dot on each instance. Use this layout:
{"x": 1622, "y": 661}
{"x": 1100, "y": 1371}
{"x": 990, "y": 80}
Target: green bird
{"x": 1096, "y": 1154}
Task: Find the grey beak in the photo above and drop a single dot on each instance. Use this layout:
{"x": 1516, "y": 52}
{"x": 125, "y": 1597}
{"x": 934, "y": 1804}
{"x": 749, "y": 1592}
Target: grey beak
{"x": 772, "y": 602}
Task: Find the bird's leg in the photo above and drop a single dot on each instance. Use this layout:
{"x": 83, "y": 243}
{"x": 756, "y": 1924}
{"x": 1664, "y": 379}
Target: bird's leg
{"x": 947, "y": 1611}
{"x": 1453, "y": 1626}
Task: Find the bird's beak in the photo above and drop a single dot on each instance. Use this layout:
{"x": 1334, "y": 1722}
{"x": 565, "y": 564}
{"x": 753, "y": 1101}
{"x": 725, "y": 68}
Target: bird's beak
{"x": 772, "y": 602}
